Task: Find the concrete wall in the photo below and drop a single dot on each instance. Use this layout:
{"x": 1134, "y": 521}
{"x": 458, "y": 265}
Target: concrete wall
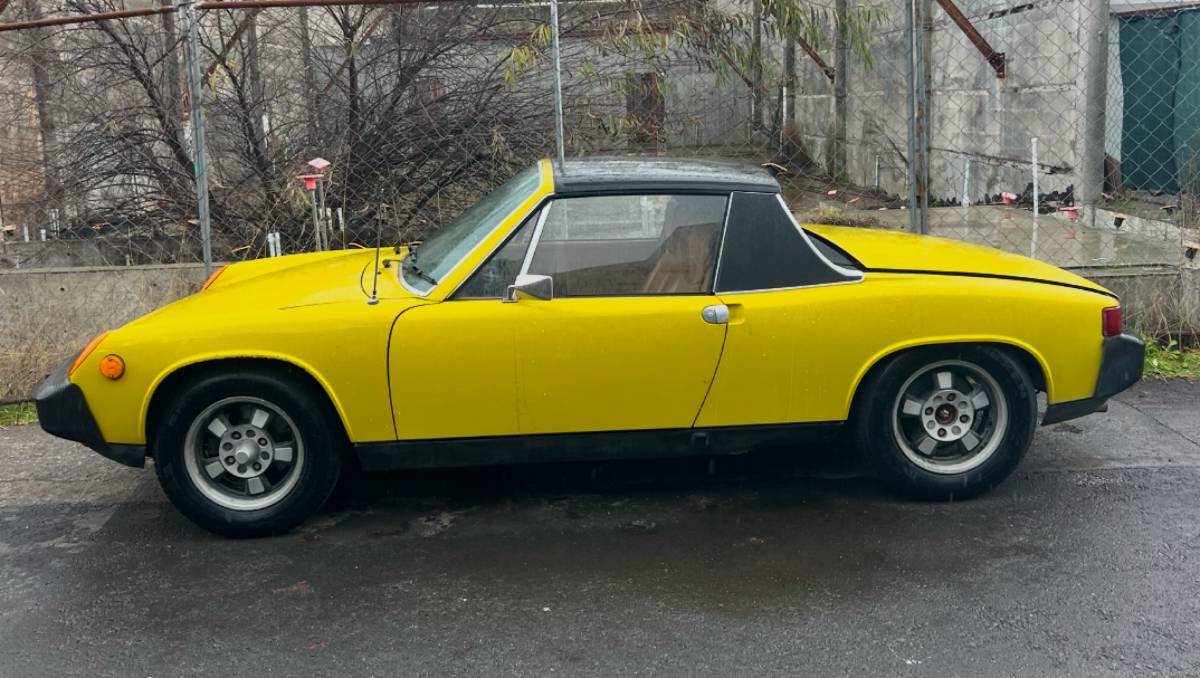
{"x": 47, "y": 314}
{"x": 1157, "y": 301}
{"x": 976, "y": 119}
{"x": 110, "y": 249}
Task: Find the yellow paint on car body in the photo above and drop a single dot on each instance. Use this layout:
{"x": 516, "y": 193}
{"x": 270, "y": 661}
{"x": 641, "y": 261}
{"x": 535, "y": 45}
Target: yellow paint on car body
{"x": 418, "y": 367}
{"x": 799, "y": 355}
{"x": 306, "y": 310}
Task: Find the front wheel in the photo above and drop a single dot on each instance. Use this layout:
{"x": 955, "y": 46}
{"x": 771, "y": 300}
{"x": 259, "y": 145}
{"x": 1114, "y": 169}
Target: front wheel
{"x": 247, "y": 454}
{"x": 947, "y": 423}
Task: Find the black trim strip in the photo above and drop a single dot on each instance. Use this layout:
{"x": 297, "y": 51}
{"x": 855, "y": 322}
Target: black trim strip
{"x": 63, "y": 411}
{"x": 997, "y": 276}
{"x": 590, "y": 446}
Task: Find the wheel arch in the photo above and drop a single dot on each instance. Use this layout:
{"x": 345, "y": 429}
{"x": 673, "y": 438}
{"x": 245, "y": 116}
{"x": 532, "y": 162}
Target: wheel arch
{"x": 1034, "y": 363}
{"x": 178, "y": 376}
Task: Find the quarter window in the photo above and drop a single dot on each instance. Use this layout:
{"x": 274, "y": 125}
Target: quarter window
{"x": 630, "y": 244}
{"x": 764, "y": 249}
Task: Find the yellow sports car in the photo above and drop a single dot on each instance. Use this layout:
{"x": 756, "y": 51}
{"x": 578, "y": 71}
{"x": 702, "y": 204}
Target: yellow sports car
{"x": 604, "y": 308}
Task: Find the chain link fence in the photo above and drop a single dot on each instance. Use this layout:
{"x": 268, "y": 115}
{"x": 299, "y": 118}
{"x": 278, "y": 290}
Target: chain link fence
{"x": 1067, "y": 130}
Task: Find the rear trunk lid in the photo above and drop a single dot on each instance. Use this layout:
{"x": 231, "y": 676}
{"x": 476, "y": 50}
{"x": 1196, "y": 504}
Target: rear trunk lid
{"x": 881, "y": 250}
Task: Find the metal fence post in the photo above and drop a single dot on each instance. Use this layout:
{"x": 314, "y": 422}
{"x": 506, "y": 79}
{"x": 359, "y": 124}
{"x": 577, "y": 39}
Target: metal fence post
{"x": 559, "y": 144}
{"x": 918, "y": 144}
{"x": 199, "y": 148}
{"x": 841, "y": 91}
{"x": 1094, "y": 95}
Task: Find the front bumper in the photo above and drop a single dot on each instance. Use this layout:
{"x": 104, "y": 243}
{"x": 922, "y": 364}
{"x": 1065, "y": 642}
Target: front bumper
{"x": 63, "y": 412}
{"x": 1121, "y": 361}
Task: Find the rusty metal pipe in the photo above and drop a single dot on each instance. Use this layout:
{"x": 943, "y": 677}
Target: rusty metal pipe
{"x": 263, "y": 4}
{"x": 84, "y": 18}
{"x": 229, "y": 43}
{"x": 994, "y": 58}
{"x": 812, "y": 54}
{"x": 808, "y": 49}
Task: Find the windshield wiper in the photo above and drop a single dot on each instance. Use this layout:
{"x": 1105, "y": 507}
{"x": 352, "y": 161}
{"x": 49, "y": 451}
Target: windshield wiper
{"x": 411, "y": 265}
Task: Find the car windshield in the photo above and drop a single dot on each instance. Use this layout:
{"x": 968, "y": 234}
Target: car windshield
{"x": 438, "y": 255}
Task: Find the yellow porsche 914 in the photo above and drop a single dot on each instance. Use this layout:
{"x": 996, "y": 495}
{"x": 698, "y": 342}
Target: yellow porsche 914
{"x": 604, "y": 308}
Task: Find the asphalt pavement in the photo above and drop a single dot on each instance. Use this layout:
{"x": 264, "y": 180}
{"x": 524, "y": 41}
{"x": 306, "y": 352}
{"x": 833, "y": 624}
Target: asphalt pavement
{"x": 1086, "y": 562}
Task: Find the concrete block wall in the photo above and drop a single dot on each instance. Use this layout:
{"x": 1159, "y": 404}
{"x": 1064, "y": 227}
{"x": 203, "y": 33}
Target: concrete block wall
{"x": 976, "y": 119}
{"x": 47, "y": 314}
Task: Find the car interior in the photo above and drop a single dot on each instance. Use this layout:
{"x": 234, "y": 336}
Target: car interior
{"x": 679, "y": 261}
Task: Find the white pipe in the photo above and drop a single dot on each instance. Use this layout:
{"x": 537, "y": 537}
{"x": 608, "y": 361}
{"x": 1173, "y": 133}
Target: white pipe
{"x": 1035, "y": 179}
{"x": 1033, "y": 240}
{"x": 966, "y": 194}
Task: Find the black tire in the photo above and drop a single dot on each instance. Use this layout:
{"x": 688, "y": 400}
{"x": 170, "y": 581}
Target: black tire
{"x": 879, "y": 433}
{"x": 320, "y": 445}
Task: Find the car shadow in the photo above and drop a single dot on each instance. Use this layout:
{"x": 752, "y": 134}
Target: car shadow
{"x": 480, "y": 486}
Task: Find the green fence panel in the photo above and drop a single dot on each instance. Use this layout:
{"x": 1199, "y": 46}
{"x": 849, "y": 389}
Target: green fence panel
{"x": 1149, "y": 72}
{"x": 1187, "y": 103}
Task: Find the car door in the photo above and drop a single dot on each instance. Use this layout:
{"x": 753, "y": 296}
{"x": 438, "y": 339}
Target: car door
{"x": 797, "y": 323}
{"x": 625, "y": 343}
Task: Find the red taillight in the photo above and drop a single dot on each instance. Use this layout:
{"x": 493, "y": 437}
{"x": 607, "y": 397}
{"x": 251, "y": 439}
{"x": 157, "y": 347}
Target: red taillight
{"x": 1111, "y": 321}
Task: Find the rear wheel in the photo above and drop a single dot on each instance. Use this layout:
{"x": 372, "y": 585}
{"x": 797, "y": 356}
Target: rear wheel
{"x": 947, "y": 423}
{"x": 247, "y": 454}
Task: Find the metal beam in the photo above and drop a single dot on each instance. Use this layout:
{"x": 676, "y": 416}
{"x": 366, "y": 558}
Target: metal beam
{"x": 262, "y": 4}
{"x": 994, "y": 58}
{"x": 812, "y": 54}
{"x": 83, "y": 18}
{"x": 229, "y": 43}
{"x": 808, "y": 49}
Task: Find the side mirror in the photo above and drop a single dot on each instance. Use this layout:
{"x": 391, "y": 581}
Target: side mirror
{"x": 530, "y": 286}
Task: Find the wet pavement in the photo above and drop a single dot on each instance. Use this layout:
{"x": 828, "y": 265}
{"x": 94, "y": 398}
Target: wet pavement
{"x": 1086, "y": 562}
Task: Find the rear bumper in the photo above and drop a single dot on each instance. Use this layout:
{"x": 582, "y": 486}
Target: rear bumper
{"x": 1121, "y": 361}
{"x": 63, "y": 412}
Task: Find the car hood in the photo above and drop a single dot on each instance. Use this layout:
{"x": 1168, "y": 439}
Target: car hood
{"x": 291, "y": 281}
{"x": 904, "y": 252}
{"x": 297, "y": 279}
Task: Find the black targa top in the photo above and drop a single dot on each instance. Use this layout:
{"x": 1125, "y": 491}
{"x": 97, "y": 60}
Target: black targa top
{"x": 672, "y": 175}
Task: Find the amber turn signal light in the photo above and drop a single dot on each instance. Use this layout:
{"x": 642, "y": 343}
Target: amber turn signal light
{"x": 87, "y": 351}
{"x": 213, "y": 278}
{"x": 112, "y": 366}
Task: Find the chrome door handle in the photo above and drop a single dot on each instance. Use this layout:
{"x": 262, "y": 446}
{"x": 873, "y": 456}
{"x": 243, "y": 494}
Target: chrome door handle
{"x": 717, "y": 314}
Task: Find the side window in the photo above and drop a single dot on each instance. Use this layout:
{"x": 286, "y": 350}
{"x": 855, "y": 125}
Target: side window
{"x": 630, "y": 244}
{"x": 490, "y": 280}
{"x": 764, "y": 249}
